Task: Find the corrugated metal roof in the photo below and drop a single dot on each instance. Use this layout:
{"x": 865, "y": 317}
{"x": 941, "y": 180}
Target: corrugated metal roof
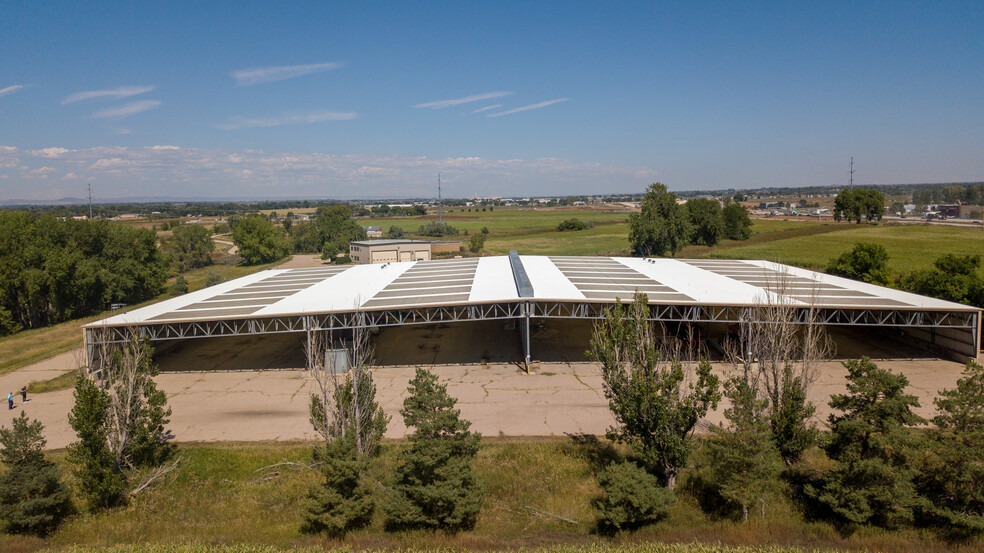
{"x": 278, "y": 292}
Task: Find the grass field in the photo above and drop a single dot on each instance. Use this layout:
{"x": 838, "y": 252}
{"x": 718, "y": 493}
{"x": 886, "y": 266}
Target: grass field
{"x": 221, "y": 494}
{"x": 910, "y": 247}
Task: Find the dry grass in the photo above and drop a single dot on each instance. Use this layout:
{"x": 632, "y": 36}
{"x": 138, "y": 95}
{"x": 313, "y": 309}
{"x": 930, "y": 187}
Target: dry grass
{"x": 216, "y": 496}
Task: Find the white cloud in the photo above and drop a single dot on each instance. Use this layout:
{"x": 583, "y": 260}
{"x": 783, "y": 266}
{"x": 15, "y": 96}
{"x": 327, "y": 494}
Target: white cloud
{"x": 50, "y": 153}
{"x": 528, "y": 107}
{"x": 486, "y": 108}
{"x": 70, "y": 176}
{"x": 293, "y": 119}
{"x": 259, "y": 75}
{"x": 121, "y": 130}
{"x": 441, "y": 104}
{"x": 40, "y": 173}
{"x": 11, "y": 89}
{"x": 111, "y": 93}
{"x": 223, "y": 173}
{"x": 127, "y": 110}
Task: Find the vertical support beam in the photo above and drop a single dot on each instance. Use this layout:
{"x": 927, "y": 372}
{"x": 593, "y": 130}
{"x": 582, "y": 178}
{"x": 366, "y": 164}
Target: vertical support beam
{"x": 526, "y": 335}
{"x": 307, "y": 352}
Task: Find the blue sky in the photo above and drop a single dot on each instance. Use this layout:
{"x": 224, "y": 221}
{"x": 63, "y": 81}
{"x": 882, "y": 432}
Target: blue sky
{"x": 365, "y": 99}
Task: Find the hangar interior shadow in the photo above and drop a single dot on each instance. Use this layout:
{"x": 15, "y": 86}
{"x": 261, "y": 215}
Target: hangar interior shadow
{"x": 496, "y": 341}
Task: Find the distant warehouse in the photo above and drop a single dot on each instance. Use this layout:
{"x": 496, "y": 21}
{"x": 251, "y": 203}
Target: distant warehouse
{"x": 389, "y": 251}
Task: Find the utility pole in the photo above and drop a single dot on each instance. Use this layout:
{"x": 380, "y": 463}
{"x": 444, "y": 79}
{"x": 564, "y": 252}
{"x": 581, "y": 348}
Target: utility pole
{"x": 90, "y": 200}
{"x": 852, "y": 172}
{"x": 440, "y": 213}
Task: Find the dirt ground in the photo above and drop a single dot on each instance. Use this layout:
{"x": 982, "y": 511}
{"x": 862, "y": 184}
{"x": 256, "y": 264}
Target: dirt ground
{"x": 253, "y": 388}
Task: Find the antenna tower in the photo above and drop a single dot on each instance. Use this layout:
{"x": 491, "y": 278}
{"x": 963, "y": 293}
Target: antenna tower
{"x": 440, "y": 214}
{"x": 90, "y": 200}
{"x": 852, "y": 172}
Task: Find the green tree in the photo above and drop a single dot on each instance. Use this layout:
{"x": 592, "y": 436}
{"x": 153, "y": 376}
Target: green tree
{"x": 395, "y": 233}
{"x": 191, "y": 246}
{"x": 632, "y": 498}
{"x": 867, "y": 262}
{"x": 706, "y": 219}
{"x": 951, "y": 467}
{"x": 790, "y": 416}
{"x": 745, "y": 463}
{"x": 305, "y": 238}
{"x": 258, "y": 240}
{"x": 434, "y": 486}
{"x": 859, "y": 204}
{"x": 655, "y": 405}
{"x": 871, "y": 443}
{"x": 337, "y": 228}
{"x": 953, "y": 278}
{"x": 33, "y": 499}
{"x": 737, "y": 223}
{"x": 343, "y": 500}
{"x": 101, "y": 484}
{"x": 662, "y": 227}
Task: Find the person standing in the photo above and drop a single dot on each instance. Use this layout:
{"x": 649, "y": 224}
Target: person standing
{"x": 10, "y": 401}
{"x": 24, "y": 394}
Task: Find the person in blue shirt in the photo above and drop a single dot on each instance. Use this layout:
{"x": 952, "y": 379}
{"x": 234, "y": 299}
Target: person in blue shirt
{"x": 10, "y": 401}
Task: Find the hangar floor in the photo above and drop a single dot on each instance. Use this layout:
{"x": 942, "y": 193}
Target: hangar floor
{"x": 216, "y": 392}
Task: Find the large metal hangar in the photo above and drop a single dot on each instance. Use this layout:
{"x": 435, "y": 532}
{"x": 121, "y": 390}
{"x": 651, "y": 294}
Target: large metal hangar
{"x": 527, "y": 288}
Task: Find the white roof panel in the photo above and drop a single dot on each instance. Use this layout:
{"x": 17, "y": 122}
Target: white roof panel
{"x": 328, "y": 289}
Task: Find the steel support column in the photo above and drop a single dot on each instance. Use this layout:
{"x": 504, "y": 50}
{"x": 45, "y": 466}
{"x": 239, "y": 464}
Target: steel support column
{"x": 526, "y": 334}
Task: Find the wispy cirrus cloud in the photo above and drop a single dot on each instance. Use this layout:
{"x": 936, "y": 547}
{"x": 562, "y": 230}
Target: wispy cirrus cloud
{"x": 528, "y": 107}
{"x": 486, "y": 108}
{"x": 126, "y": 110}
{"x": 274, "y": 73}
{"x": 12, "y": 88}
{"x": 109, "y": 93}
{"x": 287, "y": 119}
{"x": 441, "y": 104}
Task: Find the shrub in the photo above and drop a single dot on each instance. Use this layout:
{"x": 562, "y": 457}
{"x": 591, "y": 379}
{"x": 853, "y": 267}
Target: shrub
{"x": 633, "y": 498}
{"x": 574, "y": 224}
{"x": 179, "y": 287}
{"x": 212, "y": 278}
{"x": 476, "y": 242}
{"x": 437, "y": 229}
{"x": 33, "y": 499}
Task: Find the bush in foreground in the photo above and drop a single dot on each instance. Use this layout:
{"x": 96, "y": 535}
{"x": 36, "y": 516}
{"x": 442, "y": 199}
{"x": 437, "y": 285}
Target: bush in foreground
{"x": 33, "y": 499}
{"x": 633, "y": 498}
{"x": 435, "y": 486}
{"x": 343, "y": 501}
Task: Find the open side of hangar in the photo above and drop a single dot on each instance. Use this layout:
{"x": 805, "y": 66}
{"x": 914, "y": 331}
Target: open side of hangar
{"x": 527, "y": 290}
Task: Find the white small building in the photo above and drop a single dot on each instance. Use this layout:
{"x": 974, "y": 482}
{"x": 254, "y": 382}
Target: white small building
{"x": 364, "y": 252}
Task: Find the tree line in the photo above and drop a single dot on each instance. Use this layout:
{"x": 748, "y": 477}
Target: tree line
{"x": 53, "y": 270}
{"x": 328, "y": 233}
{"x": 664, "y": 226}
{"x": 955, "y": 278}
